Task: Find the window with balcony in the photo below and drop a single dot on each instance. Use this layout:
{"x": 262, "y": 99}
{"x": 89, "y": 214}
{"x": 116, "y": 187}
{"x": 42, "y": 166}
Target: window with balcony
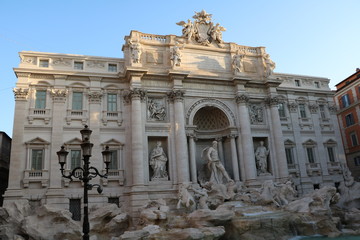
{"x": 40, "y": 99}
{"x": 349, "y": 120}
{"x": 345, "y": 100}
{"x": 75, "y": 158}
{"x": 281, "y": 108}
{"x": 310, "y": 154}
{"x": 78, "y": 65}
{"x": 331, "y": 154}
{"x": 114, "y": 160}
{"x": 37, "y": 159}
{"x": 302, "y": 110}
{"x": 289, "y": 155}
{"x": 112, "y": 102}
{"x": 112, "y": 67}
{"x": 77, "y": 101}
{"x": 44, "y": 63}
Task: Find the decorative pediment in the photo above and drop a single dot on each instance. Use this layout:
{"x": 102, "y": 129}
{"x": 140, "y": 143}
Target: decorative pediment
{"x": 310, "y": 143}
{"x": 112, "y": 142}
{"x": 330, "y": 142}
{"x": 74, "y": 141}
{"x": 288, "y": 142}
{"x": 37, "y": 141}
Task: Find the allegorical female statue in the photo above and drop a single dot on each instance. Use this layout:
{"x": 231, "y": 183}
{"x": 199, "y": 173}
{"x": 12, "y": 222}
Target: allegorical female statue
{"x": 158, "y": 161}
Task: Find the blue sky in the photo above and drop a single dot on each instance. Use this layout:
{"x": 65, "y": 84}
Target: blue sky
{"x": 307, "y": 37}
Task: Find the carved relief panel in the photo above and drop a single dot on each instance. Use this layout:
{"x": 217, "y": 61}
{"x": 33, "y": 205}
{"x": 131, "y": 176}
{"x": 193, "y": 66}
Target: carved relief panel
{"x": 156, "y": 109}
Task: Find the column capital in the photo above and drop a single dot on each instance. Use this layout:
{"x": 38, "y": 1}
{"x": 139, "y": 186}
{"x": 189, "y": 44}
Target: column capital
{"x": 136, "y": 93}
{"x": 176, "y": 95}
{"x": 58, "y": 95}
{"x": 242, "y": 98}
{"x": 273, "y": 100}
{"x": 313, "y": 108}
{"x": 21, "y": 93}
{"x": 95, "y": 96}
{"x": 332, "y": 109}
{"x": 293, "y": 107}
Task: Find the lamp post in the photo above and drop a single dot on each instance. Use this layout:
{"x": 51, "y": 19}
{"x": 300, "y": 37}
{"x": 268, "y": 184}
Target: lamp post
{"x": 88, "y": 172}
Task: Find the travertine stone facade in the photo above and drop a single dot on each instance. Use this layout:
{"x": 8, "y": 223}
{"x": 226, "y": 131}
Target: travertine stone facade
{"x": 182, "y": 91}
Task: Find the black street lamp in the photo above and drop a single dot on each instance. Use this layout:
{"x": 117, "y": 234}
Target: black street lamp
{"x": 88, "y": 172}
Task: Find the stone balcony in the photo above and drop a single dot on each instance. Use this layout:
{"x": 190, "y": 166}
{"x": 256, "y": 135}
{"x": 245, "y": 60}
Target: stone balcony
{"x": 36, "y": 176}
{"x": 313, "y": 169}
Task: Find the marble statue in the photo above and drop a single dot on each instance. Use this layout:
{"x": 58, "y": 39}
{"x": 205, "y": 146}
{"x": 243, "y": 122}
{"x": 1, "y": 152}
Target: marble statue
{"x": 202, "y": 195}
{"x": 216, "y": 33}
{"x": 135, "y": 51}
{"x": 175, "y": 55}
{"x": 156, "y": 112}
{"x": 261, "y": 154}
{"x": 158, "y": 161}
{"x": 237, "y": 62}
{"x": 218, "y": 172}
{"x": 188, "y": 29}
{"x": 269, "y": 65}
{"x": 185, "y": 198}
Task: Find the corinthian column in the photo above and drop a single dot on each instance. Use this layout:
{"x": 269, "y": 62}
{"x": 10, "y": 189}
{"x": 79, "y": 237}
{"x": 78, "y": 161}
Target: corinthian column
{"x": 246, "y": 137}
{"x": 234, "y": 159}
{"x": 137, "y": 143}
{"x": 182, "y": 162}
{"x": 192, "y": 157}
{"x": 278, "y": 137}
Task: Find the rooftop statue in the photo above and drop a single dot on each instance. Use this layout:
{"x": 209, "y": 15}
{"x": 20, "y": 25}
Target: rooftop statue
{"x": 202, "y": 30}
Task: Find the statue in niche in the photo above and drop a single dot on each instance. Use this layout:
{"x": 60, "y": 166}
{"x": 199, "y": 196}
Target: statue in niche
{"x": 217, "y": 170}
{"x": 156, "y": 112}
{"x": 269, "y": 65}
{"x": 158, "y": 161}
{"x": 175, "y": 55}
{"x": 261, "y": 155}
{"x": 237, "y": 62}
{"x": 135, "y": 51}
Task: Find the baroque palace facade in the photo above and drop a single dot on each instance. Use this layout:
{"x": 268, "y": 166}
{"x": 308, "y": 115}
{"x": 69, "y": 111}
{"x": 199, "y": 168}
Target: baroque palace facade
{"x": 177, "y": 94}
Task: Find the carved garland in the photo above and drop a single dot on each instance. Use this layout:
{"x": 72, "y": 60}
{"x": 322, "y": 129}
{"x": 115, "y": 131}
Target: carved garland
{"x": 293, "y": 107}
{"x": 95, "y": 97}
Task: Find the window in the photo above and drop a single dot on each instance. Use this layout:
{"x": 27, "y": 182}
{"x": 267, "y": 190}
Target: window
{"x": 316, "y": 186}
{"x": 357, "y": 161}
{"x": 345, "y": 100}
{"x": 112, "y": 67}
{"x": 297, "y": 83}
{"x": 317, "y": 84}
{"x": 349, "y": 120}
{"x": 37, "y": 157}
{"x": 322, "y": 111}
{"x": 75, "y": 159}
{"x": 354, "y": 140}
{"x": 44, "y": 63}
{"x": 289, "y": 156}
{"x": 75, "y": 209}
{"x": 112, "y": 102}
{"x": 79, "y": 65}
{"x": 331, "y": 155}
{"x": 77, "y": 101}
{"x": 40, "y": 99}
{"x": 114, "y": 160}
{"x": 302, "y": 110}
{"x": 310, "y": 154}
{"x": 281, "y": 108}
{"x": 114, "y": 200}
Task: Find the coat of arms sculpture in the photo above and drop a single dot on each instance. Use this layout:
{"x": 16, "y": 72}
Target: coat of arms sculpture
{"x": 202, "y": 30}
